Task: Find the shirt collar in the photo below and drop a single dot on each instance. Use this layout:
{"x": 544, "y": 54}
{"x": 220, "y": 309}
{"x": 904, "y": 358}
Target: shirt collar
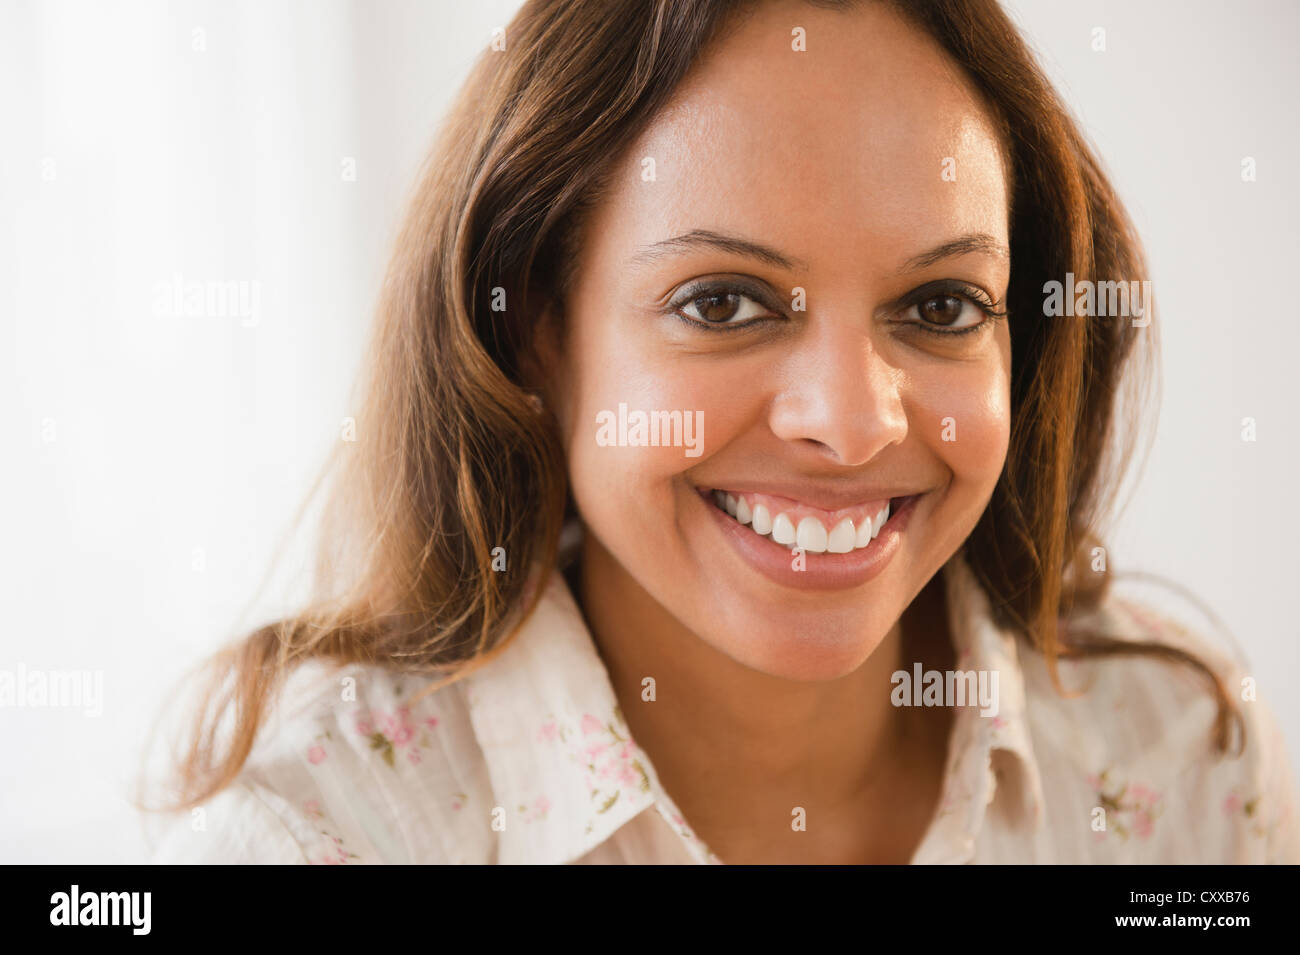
{"x": 558, "y": 751}
{"x": 989, "y": 757}
{"x": 563, "y": 763}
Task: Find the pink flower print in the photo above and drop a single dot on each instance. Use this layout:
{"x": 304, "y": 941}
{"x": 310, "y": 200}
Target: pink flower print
{"x": 395, "y": 732}
{"x": 316, "y": 755}
{"x": 459, "y": 800}
{"x": 610, "y": 761}
{"x": 1236, "y": 803}
{"x": 396, "y": 729}
{"x": 999, "y": 723}
{"x": 538, "y": 810}
{"x": 338, "y": 857}
{"x": 312, "y": 807}
{"x": 1142, "y": 823}
{"x": 1128, "y": 807}
{"x": 431, "y": 722}
{"x": 336, "y": 854}
{"x": 549, "y": 732}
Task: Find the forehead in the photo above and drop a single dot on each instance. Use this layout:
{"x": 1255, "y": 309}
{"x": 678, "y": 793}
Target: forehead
{"x": 835, "y": 152}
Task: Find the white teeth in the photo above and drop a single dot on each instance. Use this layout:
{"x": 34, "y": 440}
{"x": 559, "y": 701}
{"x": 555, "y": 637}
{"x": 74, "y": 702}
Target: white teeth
{"x": 879, "y": 522}
{"x": 811, "y": 535}
{"x": 742, "y": 511}
{"x": 863, "y": 537}
{"x": 783, "y": 530}
{"x": 842, "y": 539}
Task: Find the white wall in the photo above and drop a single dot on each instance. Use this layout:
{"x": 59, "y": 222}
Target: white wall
{"x": 153, "y": 460}
{"x": 1183, "y": 92}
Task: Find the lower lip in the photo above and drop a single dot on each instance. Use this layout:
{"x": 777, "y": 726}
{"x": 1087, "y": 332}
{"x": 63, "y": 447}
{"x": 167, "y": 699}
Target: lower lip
{"x": 821, "y": 571}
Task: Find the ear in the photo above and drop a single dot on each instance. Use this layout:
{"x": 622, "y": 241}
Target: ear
{"x": 540, "y": 364}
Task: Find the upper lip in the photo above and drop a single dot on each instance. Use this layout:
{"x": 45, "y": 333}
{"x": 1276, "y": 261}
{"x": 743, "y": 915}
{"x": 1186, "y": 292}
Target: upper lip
{"x": 821, "y": 497}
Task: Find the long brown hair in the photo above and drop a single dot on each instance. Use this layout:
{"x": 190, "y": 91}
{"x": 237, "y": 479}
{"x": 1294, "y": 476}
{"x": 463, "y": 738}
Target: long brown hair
{"x": 452, "y": 458}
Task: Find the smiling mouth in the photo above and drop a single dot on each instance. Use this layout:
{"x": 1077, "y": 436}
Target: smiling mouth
{"x": 793, "y": 527}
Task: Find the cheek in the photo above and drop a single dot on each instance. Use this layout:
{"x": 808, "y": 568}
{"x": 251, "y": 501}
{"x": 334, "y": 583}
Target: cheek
{"x": 618, "y": 479}
{"x": 966, "y": 421}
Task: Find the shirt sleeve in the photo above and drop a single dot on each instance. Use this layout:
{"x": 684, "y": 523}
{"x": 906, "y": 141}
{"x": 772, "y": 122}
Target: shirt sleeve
{"x": 1278, "y": 807}
{"x": 235, "y": 827}
{"x": 1243, "y": 808}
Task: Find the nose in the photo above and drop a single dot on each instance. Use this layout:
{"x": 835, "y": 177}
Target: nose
{"x": 842, "y": 398}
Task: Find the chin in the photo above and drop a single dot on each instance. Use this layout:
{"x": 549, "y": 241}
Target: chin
{"x": 789, "y": 643}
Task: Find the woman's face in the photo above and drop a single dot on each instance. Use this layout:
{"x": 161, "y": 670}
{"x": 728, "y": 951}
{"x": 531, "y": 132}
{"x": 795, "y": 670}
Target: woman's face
{"x": 786, "y": 279}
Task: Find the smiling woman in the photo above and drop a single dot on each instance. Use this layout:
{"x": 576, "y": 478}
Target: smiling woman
{"x": 824, "y": 229}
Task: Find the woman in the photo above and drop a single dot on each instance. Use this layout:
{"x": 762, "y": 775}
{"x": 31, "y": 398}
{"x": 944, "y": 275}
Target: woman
{"x": 748, "y": 300}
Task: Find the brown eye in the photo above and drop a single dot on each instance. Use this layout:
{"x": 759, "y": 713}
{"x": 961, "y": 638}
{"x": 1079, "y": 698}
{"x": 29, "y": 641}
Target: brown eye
{"x": 722, "y": 308}
{"x": 942, "y": 309}
{"x": 950, "y": 312}
{"x": 718, "y": 308}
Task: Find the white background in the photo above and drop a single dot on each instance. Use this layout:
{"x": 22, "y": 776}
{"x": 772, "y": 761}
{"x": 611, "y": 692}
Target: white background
{"x": 139, "y": 536}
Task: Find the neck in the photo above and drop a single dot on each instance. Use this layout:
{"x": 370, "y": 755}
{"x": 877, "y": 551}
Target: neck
{"x": 722, "y": 735}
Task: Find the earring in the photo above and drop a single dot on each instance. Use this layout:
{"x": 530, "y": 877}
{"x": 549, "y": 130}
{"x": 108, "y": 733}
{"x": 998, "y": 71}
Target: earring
{"x": 535, "y": 400}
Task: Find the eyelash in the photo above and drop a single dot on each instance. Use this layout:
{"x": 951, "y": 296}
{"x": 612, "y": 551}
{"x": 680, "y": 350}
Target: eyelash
{"x": 916, "y": 297}
{"x": 962, "y": 290}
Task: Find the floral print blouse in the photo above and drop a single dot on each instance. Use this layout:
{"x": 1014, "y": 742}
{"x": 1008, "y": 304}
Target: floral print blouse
{"x": 529, "y": 760}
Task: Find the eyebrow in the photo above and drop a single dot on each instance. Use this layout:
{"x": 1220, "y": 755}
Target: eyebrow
{"x": 974, "y": 242}
{"x": 706, "y": 239}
